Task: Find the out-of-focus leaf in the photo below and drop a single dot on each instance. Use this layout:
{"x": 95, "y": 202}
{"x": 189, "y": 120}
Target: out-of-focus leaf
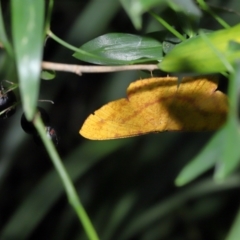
{"x": 27, "y": 30}
{"x": 230, "y": 158}
{"x": 234, "y": 46}
{"x": 3, "y": 36}
{"x": 235, "y": 229}
{"x": 48, "y": 75}
{"x": 204, "y": 161}
{"x": 186, "y": 57}
{"x": 119, "y": 48}
{"x": 154, "y": 213}
{"x": 188, "y": 7}
{"x": 135, "y": 8}
{"x": 221, "y": 151}
{"x": 51, "y": 186}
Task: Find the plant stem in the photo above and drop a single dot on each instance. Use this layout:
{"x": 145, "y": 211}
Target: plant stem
{"x": 168, "y": 27}
{"x": 68, "y": 185}
{"x": 67, "y": 45}
{"x": 79, "y": 69}
{"x": 206, "y": 8}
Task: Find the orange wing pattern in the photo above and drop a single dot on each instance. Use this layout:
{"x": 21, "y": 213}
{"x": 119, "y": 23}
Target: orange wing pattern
{"x": 160, "y": 104}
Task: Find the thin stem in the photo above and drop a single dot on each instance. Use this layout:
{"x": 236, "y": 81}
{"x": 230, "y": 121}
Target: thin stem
{"x": 168, "y": 27}
{"x": 68, "y": 185}
{"x": 49, "y": 13}
{"x": 206, "y": 8}
{"x": 79, "y": 69}
{"x": 60, "y": 41}
{"x": 67, "y": 45}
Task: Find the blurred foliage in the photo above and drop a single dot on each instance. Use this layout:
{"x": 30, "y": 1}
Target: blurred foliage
{"x": 127, "y": 186}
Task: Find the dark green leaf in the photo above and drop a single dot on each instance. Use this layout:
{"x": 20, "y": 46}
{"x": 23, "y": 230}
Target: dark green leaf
{"x": 119, "y": 48}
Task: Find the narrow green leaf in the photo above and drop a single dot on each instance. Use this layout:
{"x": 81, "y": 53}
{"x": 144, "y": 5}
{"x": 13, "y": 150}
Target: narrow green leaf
{"x": 235, "y": 229}
{"x": 222, "y": 150}
{"x": 205, "y": 7}
{"x": 168, "y": 26}
{"x": 119, "y": 48}
{"x": 146, "y": 218}
{"x": 204, "y": 161}
{"x": 27, "y": 31}
{"x": 195, "y": 54}
{"x": 230, "y": 159}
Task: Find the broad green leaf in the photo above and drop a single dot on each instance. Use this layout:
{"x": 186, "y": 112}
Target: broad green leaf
{"x": 195, "y": 54}
{"x": 27, "y": 31}
{"x": 119, "y": 48}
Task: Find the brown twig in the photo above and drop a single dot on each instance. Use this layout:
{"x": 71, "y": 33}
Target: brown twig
{"x": 79, "y": 69}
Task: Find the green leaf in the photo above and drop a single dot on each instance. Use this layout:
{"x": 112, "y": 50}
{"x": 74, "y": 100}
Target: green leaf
{"x": 146, "y": 218}
{"x": 230, "y": 159}
{"x": 195, "y": 54}
{"x": 119, "y": 48}
{"x": 27, "y": 31}
{"x": 188, "y": 7}
{"x": 235, "y": 229}
{"x": 48, "y": 75}
{"x": 234, "y": 46}
{"x": 135, "y": 8}
{"x": 221, "y": 151}
{"x": 204, "y": 161}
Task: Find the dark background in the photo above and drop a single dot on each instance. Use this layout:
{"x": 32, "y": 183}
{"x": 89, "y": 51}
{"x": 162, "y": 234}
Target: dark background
{"x": 127, "y": 185}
